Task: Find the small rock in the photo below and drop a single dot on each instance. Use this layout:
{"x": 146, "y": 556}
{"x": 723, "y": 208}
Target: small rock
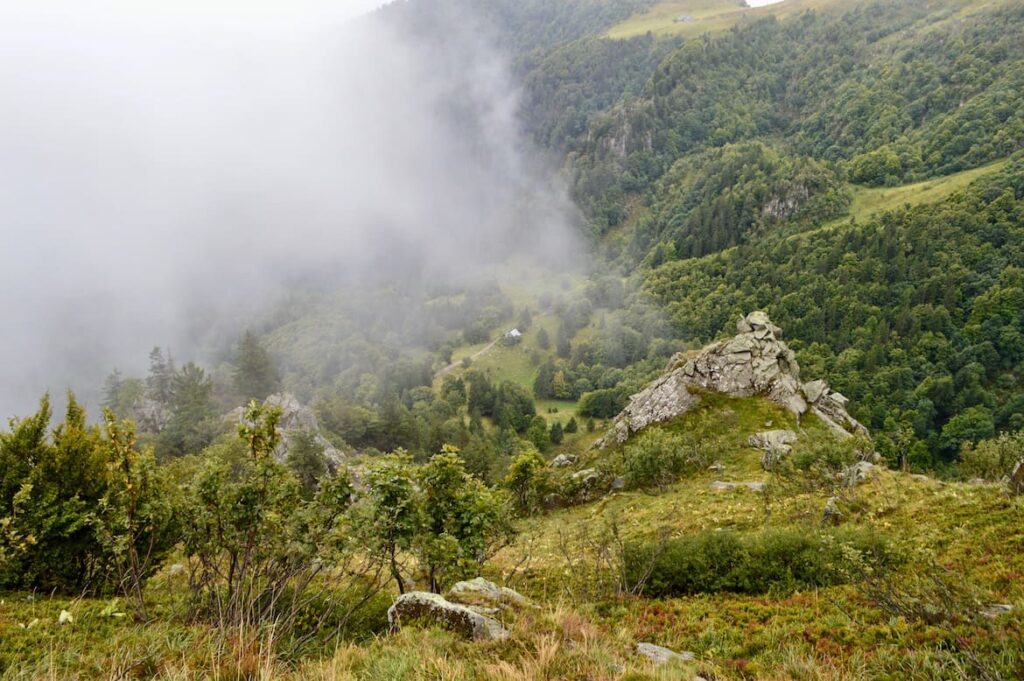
{"x": 719, "y": 486}
{"x": 858, "y": 473}
{"x": 434, "y": 608}
{"x": 1016, "y": 481}
{"x": 563, "y": 460}
{"x": 717, "y": 467}
{"x": 618, "y": 483}
{"x": 660, "y": 655}
{"x": 920, "y": 477}
{"x": 586, "y": 477}
{"x": 832, "y": 514}
{"x": 995, "y": 610}
{"x": 175, "y": 569}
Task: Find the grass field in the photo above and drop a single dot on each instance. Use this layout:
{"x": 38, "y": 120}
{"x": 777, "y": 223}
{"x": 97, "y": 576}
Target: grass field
{"x": 689, "y": 18}
{"x": 870, "y": 200}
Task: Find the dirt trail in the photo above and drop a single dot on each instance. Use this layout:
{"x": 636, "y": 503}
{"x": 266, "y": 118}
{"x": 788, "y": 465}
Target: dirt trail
{"x": 472, "y": 357}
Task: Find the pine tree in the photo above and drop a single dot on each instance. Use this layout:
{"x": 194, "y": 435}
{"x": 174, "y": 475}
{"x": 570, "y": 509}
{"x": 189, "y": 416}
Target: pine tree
{"x": 256, "y": 376}
{"x": 543, "y": 340}
{"x": 160, "y": 382}
{"x": 556, "y": 433}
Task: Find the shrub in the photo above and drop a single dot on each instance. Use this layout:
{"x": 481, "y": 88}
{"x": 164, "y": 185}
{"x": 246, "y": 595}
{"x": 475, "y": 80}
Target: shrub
{"x": 752, "y": 563}
{"x": 994, "y": 458}
{"x": 81, "y": 509}
{"x": 657, "y": 457}
{"x": 529, "y": 480}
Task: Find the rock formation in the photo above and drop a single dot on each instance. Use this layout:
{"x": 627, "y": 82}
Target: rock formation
{"x": 294, "y": 417}
{"x": 754, "y": 362}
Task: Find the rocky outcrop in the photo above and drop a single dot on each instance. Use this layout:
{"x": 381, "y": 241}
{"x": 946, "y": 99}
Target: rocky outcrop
{"x": 754, "y": 362}
{"x": 294, "y": 417}
{"x": 434, "y": 609}
{"x": 774, "y": 444}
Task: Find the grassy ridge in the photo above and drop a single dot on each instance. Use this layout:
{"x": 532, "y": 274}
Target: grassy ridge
{"x": 706, "y": 16}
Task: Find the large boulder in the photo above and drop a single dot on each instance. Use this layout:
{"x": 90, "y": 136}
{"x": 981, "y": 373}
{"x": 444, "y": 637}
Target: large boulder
{"x": 754, "y": 362}
{"x": 423, "y": 606}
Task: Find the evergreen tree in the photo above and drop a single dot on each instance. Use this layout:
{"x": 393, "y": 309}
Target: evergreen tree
{"x": 556, "y": 434}
{"x": 159, "y": 383}
{"x": 256, "y": 376}
{"x": 543, "y": 340}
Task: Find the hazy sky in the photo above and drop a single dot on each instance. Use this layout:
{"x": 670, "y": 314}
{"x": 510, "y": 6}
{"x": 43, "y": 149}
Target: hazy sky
{"x": 166, "y": 167}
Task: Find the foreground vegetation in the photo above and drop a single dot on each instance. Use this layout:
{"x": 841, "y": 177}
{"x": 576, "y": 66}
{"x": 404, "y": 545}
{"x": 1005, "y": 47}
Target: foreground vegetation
{"x": 756, "y": 584}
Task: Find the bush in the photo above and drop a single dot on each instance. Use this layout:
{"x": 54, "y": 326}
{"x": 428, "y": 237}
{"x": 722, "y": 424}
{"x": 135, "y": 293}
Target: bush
{"x": 81, "y": 509}
{"x": 753, "y": 563}
{"x": 656, "y": 457}
{"x": 994, "y": 458}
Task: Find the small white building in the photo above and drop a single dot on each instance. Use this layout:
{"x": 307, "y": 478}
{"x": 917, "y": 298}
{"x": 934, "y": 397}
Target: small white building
{"x": 514, "y": 333}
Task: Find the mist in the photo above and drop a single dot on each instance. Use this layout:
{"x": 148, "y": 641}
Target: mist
{"x": 169, "y": 169}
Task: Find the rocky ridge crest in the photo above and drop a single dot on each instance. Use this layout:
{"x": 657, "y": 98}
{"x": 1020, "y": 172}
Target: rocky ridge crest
{"x": 754, "y": 362}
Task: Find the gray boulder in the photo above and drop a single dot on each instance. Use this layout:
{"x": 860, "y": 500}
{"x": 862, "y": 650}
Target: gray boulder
{"x": 774, "y": 445}
{"x": 754, "y": 362}
{"x": 660, "y": 655}
{"x": 563, "y": 460}
{"x": 479, "y": 591}
{"x": 860, "y": 472}
{"x": 435, "y": 609}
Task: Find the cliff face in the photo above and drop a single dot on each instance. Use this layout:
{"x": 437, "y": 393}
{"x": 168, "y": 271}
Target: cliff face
{"x": 754, "y": 362}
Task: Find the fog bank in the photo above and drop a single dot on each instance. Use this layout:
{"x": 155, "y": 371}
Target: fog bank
{"x": 168, "y": 168}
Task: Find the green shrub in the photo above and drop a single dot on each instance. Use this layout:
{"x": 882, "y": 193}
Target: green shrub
{"x": 994, "y": 458}
{"x": 752, "y": 563}
{"x": 81, "y": 509}
{"x": 657, "y": 457}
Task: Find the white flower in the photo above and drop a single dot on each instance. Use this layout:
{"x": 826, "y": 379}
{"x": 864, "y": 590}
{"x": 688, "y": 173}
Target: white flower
{"x": 65, "y": 617}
